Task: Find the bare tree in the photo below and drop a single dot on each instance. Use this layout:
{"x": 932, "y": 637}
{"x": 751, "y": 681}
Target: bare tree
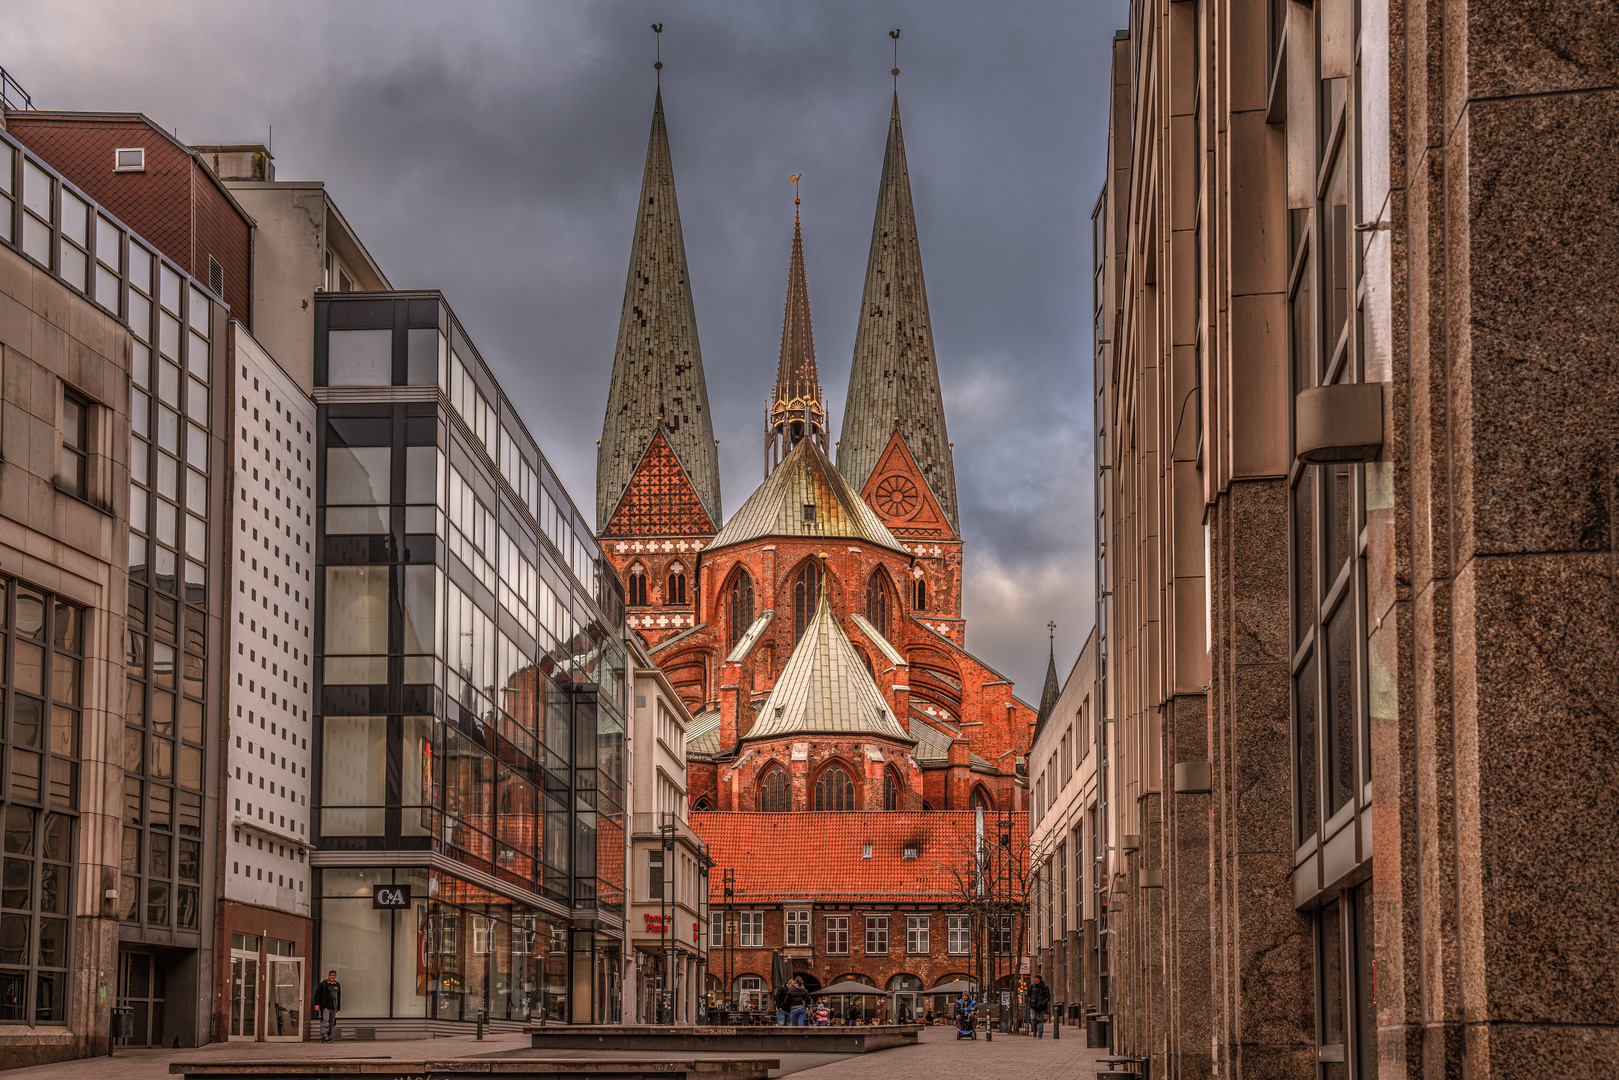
{"x": 991, "y": 876}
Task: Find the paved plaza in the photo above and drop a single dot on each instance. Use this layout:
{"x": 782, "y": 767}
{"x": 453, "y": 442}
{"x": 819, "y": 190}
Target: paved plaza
{"x": 938, "y": 1053}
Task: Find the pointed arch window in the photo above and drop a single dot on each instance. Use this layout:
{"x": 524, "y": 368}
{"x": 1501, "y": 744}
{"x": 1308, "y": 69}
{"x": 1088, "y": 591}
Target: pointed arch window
{"x": 981, "y": 799}
{"x": 891, "y": 789}
{"x": 806, "y": 595}
{"x": 877, "y": 595}
{"x": 739, "y": 601}
{"x": 676, "y": 593}
{"x": 834, "y": 790}
{"x": 702, "y": 805}
{"x": 775, "y": 795}
{"x": 637, "y": 586}
{"x": 919, "y": 592}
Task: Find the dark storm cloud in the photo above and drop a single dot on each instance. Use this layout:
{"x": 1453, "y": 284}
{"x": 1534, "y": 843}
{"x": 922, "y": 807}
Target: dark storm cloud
{"x": 495, "y": 152}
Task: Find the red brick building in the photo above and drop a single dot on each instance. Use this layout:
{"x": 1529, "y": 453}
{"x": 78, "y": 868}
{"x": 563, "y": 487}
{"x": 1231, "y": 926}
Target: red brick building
{"x": 817, "y": 634}
{"x": 158, "y": 185}
{"x": 885, "y": 903}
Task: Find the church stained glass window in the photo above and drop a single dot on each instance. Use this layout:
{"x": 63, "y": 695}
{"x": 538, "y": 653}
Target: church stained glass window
{"x": 806, "y": 595}
{"x": 774, "y": 797}
{"x": 741, "y": 605}
{"x": 877, "y": 602}
{"x": 834, "y": 790}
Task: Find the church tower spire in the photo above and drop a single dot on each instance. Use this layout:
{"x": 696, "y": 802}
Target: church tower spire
{"x": 894, "y": 381}
{"x": 797, "y": 408}
{"x": 657, "y": 383}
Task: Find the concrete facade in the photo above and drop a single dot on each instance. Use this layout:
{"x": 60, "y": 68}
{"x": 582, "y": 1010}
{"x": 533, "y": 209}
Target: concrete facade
{"x": 1355, "y": 697}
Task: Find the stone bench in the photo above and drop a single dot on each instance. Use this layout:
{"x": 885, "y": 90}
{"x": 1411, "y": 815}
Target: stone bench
{"x": 508, "y": 1068}
{"x": 747, "y": 1038}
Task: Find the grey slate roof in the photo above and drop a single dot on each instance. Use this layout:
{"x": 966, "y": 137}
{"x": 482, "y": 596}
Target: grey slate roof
{"x": 933, "y": 746}
{"x": 877, "y": 638}
{"x": 825, "y": 688}
{"x": 744, "y": 644}
{"x": 805, "y": 477}
{"x": 895, "y": 371}
{"x": 1048, "y": 696}
{"x": 657, "y": 365}
{"x": 703, "y": 735}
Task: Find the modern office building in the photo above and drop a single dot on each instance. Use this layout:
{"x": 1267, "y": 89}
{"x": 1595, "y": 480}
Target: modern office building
{"x": 469, "y": 735}
{"x": 113, "y": 475}
{"x": 668, "y": 869}
{"x": 1357, "y": 416}
{"x": 1064, "y": 822}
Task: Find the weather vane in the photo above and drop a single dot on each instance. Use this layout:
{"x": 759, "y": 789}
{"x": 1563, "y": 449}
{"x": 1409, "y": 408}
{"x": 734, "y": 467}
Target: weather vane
{"x": 793, "y": 179}
{"x": 895, "y": 35}
{"x": 1051, "y": 627}
{"x": 657, "y": 47}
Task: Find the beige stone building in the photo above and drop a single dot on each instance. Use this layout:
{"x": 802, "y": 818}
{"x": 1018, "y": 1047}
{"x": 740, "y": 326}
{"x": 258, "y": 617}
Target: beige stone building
{"x": 1064, "y": 830}
{"x": 1358, "y": 419}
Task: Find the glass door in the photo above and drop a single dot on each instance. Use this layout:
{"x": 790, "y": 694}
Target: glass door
{"x": 244, "y": 995}
{"x": 141, "y": 990}
{"x": 285, "y": 1018}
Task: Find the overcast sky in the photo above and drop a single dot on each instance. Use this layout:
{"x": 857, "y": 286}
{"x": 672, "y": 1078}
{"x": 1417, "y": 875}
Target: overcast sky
{"x": 494, "y": 151}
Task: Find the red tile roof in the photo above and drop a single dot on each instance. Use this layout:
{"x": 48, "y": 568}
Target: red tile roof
{"x": 810, "y": 856}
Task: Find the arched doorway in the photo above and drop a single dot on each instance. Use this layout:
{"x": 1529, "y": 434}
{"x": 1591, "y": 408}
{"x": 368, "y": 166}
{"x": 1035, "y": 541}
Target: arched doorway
{"x": 907, "y": 994}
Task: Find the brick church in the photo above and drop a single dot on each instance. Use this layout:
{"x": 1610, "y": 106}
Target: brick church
{"x": 844, "y": 739}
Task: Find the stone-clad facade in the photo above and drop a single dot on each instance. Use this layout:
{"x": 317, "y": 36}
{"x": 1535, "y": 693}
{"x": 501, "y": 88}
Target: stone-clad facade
{"x": 1359, "y": 436}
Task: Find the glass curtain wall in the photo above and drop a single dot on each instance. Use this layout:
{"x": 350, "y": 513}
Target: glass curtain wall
{"x": 472, "y": 676}
{"x": 1331, "y": 748}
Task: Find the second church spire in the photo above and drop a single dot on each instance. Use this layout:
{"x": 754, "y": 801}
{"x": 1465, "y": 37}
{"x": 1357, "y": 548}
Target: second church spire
{"x": 797, "y": 408}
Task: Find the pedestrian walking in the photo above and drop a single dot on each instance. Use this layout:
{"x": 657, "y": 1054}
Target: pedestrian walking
{"x": 328, "y": 1000}
{"x": 1039, "y": 1000}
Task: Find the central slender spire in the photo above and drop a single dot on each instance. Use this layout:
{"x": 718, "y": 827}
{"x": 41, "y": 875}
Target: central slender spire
{"x": 797, "y": 408}
{"x": 657, "y": 365}
{"x": 894, "y": 380}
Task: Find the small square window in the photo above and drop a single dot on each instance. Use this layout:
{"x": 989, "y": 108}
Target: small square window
{"x": 129, "y": 159}
{"x": 809, "y": 513}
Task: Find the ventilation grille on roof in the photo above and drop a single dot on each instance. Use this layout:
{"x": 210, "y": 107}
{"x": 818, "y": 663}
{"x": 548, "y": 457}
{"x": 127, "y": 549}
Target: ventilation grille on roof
{"x": 216, "y": 277}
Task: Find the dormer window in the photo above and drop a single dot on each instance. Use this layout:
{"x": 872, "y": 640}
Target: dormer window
{"x": 809, "y": 513}
{"x": 129, "y": 159}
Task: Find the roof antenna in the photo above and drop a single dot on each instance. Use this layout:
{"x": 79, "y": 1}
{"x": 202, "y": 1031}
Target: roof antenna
{"x": 657, "y": 47}
{"x": 895, "y": 35}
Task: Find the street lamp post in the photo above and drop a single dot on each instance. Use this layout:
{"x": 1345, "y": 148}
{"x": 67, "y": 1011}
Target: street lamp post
{"x": 666, "y": 834}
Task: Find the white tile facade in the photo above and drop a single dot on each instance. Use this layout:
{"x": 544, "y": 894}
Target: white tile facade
{"x": 272, "y": 643}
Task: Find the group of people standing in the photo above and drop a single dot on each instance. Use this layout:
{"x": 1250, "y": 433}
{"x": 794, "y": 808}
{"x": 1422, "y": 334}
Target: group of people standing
{"x": 795, "y": 1007}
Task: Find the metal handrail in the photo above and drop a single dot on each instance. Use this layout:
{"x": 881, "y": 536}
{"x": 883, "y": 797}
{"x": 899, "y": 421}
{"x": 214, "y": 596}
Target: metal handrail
{"x": 10, "y": 91}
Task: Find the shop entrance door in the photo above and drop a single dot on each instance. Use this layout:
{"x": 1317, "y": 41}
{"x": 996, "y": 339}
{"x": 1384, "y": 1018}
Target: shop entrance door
{"x": 140, "y": 988}
{"x": 244, "y": 995}
{"x": 284, "y": 1019}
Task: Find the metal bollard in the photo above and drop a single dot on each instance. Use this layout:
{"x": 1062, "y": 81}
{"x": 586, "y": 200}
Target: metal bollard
{"x": 483, "y": 1018}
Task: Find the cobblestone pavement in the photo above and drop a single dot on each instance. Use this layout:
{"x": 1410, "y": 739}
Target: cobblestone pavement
{"x": 937, "y": 1054}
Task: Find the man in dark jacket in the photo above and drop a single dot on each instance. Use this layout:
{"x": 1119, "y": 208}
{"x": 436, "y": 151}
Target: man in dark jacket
{"x": 1039, "y": 999}
{"x": 328, "y": 1000}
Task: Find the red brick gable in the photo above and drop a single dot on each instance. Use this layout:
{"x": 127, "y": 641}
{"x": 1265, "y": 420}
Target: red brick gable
{"x": 898, "y": 492}
{"x": 660, "y": 500}
{"x": 820, "y": 856}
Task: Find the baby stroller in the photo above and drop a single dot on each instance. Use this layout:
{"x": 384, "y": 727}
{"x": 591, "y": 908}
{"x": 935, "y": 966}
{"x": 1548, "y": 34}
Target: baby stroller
{"x": 966, "y": 1021}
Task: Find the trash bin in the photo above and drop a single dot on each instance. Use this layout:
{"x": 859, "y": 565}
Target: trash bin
{"x": 123, "y": 1022}
{"x": 1097, "y": 1035}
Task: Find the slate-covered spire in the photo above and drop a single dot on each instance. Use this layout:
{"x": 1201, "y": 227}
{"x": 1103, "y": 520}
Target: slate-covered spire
{"x": 894, "y": 381}
{"x": 1052, "y": 691}
{"x": 797, "y": 408}
{"x": 657, "y": 365}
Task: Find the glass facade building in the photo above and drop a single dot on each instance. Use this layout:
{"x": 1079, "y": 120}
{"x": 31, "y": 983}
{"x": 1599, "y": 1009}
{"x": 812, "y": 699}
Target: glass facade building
{"x": 469, "y": 694}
